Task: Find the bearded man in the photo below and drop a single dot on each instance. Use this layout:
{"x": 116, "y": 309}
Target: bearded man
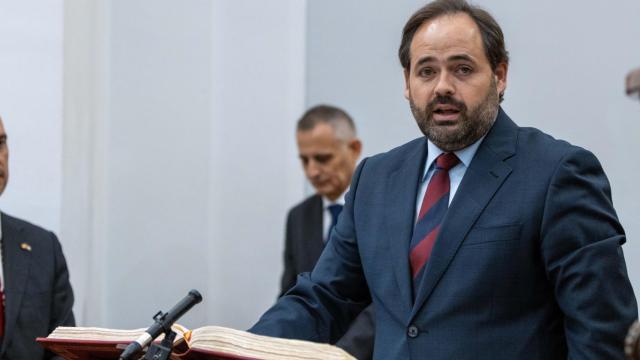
{"x": 480, "y": 240}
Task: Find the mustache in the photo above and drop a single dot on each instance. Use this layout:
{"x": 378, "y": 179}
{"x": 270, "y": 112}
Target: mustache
{"x": 445, "y": 100}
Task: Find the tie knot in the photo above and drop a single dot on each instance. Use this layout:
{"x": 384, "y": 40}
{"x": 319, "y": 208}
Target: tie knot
{"x": 335, "y": 210}
{"x": 446, "y": 161}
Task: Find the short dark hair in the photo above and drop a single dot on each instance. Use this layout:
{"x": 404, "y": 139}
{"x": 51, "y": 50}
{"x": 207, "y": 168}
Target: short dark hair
{"x": 492, "y": 36}
{"x": 328, "y": 114}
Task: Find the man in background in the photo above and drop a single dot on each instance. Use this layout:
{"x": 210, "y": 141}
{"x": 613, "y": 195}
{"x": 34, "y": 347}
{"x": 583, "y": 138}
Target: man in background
{"x": 34, "y": 282}
{"x": 329, "y": 150}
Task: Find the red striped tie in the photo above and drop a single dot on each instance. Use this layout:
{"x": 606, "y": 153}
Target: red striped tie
{"x": 432, "y": 211}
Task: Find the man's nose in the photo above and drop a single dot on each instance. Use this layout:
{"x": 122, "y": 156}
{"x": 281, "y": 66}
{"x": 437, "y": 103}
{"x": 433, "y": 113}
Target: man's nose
{"x": 313, "y": 169}
{"x": 445, "y": 86}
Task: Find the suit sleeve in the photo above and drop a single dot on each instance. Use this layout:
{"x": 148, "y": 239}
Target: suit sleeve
{"x": 581, "y": 242}
{"x": 358, "y": 340}
{"x": 323, "y": 303}
{"x": 289, "y": 275}
{"x": 62, "y": 295}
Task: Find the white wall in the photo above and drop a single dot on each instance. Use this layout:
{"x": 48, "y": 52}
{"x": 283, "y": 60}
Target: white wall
{"x": 173, "y": 156}
{"x": 568, "y": 63}
{"x": 193, "y": 164}
{"x": 258, "y": 94}
{"x": 85, "y": 155}
{"x": 31, "y": 108}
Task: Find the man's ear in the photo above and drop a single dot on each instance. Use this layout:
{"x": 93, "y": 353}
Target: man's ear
{"x": 355, "y": 145}
{"x": 501, "y": 77}
{"x": 407, "y": 89}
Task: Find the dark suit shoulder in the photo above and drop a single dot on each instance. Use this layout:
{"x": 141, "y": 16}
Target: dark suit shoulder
{"x": 27, "y": 230}
{"x": 311, "y": 201}
{"x": 20, "y": 223}
{"x": 42, "y": 276}
{"x": 545, "y": 147}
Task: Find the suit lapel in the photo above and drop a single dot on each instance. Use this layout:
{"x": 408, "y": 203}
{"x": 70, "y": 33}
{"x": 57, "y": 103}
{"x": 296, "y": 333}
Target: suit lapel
{"x": 316, "y": 213}
{"x": 16, "y": 266}
{"x": 483, "y": 178}
{"x": 401, "y": 192}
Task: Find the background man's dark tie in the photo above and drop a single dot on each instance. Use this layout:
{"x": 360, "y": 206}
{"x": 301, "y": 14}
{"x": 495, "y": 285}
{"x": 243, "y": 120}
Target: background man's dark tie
{"x": 335, "y": 211}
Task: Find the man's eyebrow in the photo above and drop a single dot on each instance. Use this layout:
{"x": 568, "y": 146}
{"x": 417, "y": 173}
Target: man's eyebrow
{"x": 425, "y": 59}
{"x": 457, "y": 57}
{"x": 460, "y": 57}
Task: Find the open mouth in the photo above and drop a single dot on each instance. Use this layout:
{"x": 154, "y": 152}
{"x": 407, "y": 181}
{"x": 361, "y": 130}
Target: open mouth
{"x": 445, "y": 113}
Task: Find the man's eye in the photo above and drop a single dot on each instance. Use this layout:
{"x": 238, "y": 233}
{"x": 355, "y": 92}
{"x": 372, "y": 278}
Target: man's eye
{"x": 323, "y": 159}
{"x": 464, "y": 70}
{"x": 426, "y": 72}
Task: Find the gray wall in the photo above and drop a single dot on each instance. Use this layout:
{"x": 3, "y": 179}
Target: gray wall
{"x": 566, "y": 77}
{"x": 31, "y": 107}
{"x": 191, "y": 162}
{"x": 158, "y": 141}
{"x": 172, "y": 158}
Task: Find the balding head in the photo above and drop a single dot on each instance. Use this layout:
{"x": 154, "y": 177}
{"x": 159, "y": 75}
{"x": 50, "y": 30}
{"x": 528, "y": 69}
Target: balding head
{"x": 335, "y": 117}
{"x": 328, "y": 149}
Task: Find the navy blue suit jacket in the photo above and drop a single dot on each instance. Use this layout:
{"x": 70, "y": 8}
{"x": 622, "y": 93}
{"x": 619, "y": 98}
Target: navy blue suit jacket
{"x": 38, "y": 295}
{"x": 528, "y": 263}
{"x": 303, "y": 247}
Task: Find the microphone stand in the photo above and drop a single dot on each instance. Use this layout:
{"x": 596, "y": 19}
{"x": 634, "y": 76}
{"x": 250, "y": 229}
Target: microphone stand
{"x": 163, "y": 350}
{"x": 162, "y": 324}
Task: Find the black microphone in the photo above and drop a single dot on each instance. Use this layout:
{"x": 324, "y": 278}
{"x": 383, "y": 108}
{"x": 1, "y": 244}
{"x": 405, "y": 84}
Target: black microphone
{"x": 162, "y": 324}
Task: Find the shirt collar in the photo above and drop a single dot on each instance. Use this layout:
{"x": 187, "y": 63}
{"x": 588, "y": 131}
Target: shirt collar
{"x": 340, "y": 200}
{"x": 465, "y": 155}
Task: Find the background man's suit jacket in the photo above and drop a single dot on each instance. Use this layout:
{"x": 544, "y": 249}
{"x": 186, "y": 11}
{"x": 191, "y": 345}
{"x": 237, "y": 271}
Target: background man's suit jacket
{"x": 303, "y": 246}
{"x": 528, "y": 263}
{"x": 36, "y": 286}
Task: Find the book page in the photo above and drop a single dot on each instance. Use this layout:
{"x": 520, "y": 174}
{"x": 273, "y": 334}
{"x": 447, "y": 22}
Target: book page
{"x": 110, "y": 335}
{"x": 242, "y": 343}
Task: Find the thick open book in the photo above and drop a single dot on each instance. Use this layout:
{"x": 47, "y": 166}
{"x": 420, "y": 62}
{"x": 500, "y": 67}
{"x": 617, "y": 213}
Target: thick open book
{"x": 209, "y": 342}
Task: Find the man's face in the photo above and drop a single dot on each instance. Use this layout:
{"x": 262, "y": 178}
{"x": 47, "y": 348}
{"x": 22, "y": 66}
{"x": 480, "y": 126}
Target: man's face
{"x": 328, "y": 162}
{"x": 4, "y": 158}
{"x": 451, "y": 88}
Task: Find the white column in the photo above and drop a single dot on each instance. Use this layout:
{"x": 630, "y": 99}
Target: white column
{"x": 86, "y": 114}
{"x": 180, "y": 161}
{"x": 259, "y": 93}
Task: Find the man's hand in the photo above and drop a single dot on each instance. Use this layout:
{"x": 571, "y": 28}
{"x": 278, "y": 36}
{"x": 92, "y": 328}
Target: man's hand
{"x": 633, "y": 83}
{"x": 632, "y": 343}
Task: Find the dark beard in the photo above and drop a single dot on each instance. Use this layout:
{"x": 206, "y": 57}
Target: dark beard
{"x": 474, "y": 124}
